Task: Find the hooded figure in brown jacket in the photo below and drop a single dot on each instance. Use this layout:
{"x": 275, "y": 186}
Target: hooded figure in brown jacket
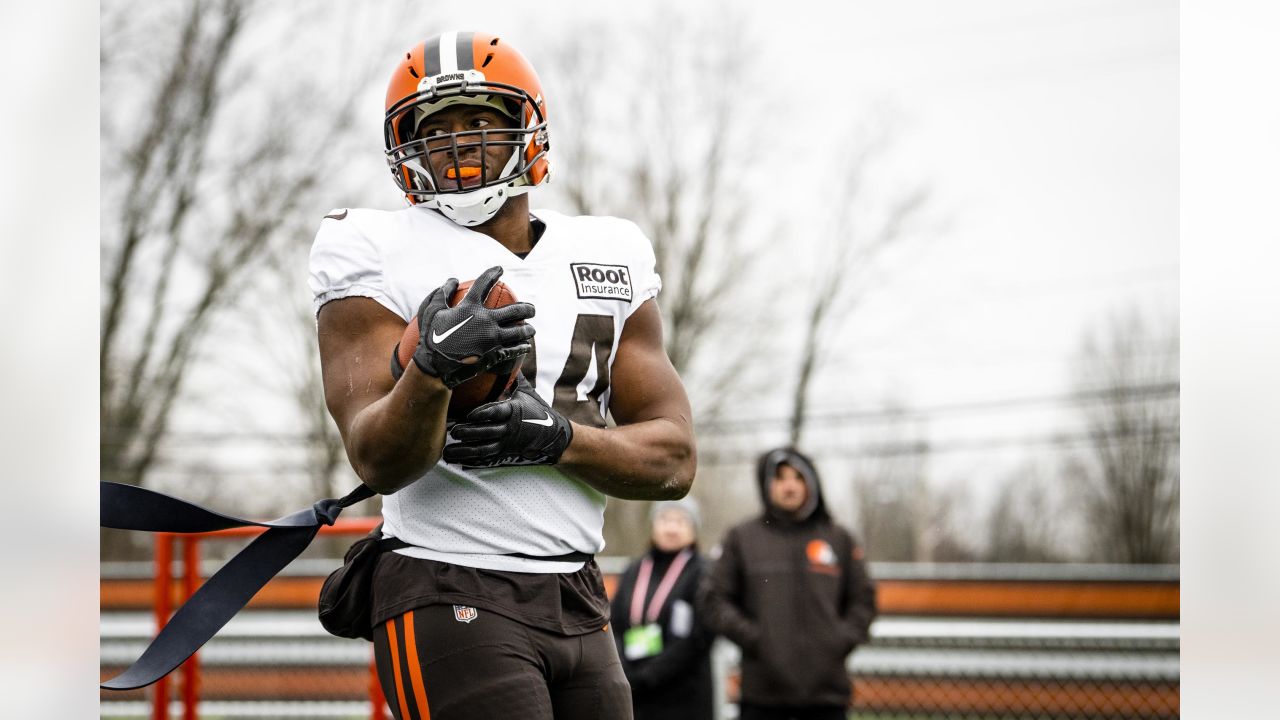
{"x": 790, "y": 588}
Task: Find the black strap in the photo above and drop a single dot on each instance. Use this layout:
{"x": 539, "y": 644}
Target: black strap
{"x": 127, "y": 507}
{"x": 567, "y": 557}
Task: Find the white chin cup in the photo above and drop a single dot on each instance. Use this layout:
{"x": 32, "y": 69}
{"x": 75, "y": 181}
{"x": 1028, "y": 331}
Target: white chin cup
{"x": 471, "y": 208}
{"x": 480, "y": 205}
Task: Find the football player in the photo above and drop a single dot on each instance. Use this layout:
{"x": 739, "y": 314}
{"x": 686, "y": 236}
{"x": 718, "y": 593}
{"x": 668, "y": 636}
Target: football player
{"x": 496, "y": 608}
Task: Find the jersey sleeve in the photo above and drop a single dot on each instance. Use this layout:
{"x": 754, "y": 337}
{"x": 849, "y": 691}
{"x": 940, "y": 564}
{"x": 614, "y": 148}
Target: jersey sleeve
{"x": 646, "y": 280}
{"x": 345, "y": 263}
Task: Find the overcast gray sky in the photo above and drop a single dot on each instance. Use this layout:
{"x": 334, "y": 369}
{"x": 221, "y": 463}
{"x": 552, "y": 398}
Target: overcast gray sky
{"x": 1048, "y": 132}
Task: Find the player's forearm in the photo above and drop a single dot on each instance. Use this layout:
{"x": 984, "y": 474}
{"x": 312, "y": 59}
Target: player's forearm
{"x": 650, "y": 460}
{"x": 398, "y": 438}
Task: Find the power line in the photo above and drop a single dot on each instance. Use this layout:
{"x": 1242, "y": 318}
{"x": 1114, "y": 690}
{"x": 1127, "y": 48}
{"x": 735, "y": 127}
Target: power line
{"x": 301, "y": 473}
{"x": 1130, "y": 393}
{"x": 1125, "y": 394}
{"x": 923, "y": 447}
{"x": 171, "y": 469}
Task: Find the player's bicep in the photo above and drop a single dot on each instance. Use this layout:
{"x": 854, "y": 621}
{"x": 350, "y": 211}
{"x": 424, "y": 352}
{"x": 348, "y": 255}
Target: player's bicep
{"x": 645, "y": 384}
{"x": 357, "y": 336}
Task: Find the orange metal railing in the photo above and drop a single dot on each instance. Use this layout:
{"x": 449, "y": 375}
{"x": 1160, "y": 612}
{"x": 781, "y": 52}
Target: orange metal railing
{"x": 163, "y": 587}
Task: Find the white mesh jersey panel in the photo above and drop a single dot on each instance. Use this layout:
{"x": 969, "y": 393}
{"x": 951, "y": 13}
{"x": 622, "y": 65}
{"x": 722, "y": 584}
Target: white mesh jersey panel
{"x": 478, "y": 517}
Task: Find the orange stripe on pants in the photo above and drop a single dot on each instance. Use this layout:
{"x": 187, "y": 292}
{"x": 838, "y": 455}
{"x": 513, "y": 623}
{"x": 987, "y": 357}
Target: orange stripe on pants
{"x": 415, "y": 668}
{"x": 395, "y": 668}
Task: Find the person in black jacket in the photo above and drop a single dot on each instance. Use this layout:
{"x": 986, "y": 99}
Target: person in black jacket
{"x": 791, "y": 590}
{"x": 665, "y": 648}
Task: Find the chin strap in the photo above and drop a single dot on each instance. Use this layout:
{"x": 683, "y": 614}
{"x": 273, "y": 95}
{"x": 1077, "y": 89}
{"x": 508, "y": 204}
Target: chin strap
{"x": 128, "y": 507}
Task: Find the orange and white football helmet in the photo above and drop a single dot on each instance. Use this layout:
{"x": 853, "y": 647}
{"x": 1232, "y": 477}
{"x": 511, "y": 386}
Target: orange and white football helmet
{"x": 465, "y": 68}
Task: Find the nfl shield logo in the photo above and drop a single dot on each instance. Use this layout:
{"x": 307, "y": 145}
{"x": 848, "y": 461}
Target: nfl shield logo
{"x": 463, "y": 613}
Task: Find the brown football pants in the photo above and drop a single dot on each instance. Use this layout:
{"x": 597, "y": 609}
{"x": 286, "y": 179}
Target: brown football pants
{"x": 434, "y": 663}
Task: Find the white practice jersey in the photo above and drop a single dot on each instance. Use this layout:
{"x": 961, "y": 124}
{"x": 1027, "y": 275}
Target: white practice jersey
{"x": 585, "y": 277}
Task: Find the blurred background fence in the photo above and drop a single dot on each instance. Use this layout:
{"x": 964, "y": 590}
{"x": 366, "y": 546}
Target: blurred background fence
{"x": 965, "y": 640}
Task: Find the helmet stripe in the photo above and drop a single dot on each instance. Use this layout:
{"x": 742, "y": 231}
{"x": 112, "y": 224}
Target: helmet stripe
{"x": 449, "y": 52}
{"x": 431, "y": 57}
{"x": 466, "y": 56}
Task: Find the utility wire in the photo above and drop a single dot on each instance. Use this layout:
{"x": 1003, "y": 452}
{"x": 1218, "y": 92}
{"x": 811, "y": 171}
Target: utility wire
{"x": 282, "y": 473}
{"x": 1126, "y": 394}
{"x": 1130, "y": 393}
{"x": 923, "y": 447}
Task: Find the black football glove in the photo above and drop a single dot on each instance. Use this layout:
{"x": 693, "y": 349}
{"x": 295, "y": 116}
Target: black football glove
{"x": 521, "y": 430}
{"x": 457, "y": 343}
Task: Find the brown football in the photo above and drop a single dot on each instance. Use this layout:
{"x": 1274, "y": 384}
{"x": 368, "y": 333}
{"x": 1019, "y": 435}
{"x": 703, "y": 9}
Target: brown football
{"x": 483, "y": 388}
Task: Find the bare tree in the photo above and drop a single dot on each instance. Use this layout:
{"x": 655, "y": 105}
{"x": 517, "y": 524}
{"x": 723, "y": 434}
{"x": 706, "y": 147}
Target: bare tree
{"x": 1023, "y": 524}
{"x": 289, "y": 336}
{"x": 949, "y": 536}
{"x": 675, "y": 158}
{"x": 892, "y": 499}
{"x": 1129, "y": 480}
{"x": 888, "y": 525}
{"x": 206, "y": 179}
{"x": 901, "y": 517}
{"x": 579, "y": 64}
{"x": 166, "y": 155}
{"x": 866, "y": 223}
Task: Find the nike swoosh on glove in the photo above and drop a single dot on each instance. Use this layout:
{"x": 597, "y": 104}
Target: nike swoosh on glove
{"x": 521, "y": 430}
{"x": 457, "y": 343}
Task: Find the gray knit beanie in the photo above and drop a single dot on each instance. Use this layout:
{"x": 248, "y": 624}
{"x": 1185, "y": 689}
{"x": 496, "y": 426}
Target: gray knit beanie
{"x": 686, "y": 505}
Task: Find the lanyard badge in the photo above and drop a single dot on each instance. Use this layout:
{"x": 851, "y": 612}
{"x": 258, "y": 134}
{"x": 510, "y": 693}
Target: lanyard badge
{"x": 644, "y": 638}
